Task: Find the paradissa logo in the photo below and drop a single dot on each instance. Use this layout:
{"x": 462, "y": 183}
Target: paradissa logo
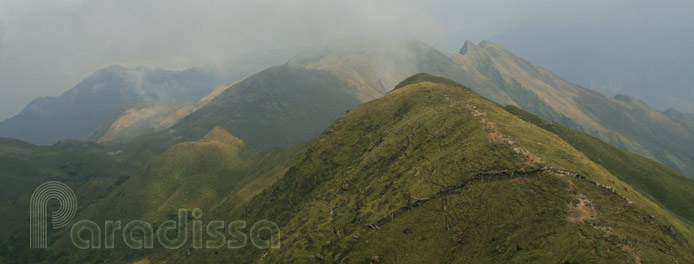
{"x": 139, "y": 234}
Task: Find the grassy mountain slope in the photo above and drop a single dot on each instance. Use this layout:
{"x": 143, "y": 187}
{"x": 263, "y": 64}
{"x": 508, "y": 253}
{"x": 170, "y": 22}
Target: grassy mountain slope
{"x": 622, "y": 121}
{"x": 138, "y": 118}
{"x": 505, "y": 78}
{"x": 273, "y": 108}
{"x": 144, "y": 118}
{"x": 90, "y": 170}
{"x": 432, "y": 172}
{"x": 662, "y": 184}
{"x": 218, "y": 171}
{"x": 276, "y": 108}
{"x": 140, "y": 130}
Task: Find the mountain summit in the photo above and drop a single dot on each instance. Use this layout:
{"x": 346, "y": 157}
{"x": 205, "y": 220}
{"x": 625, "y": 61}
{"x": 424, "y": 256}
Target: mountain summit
{"x": 467, "y": 47}
{"x": 433, "y": 172}
{"x": 507, "y": 79}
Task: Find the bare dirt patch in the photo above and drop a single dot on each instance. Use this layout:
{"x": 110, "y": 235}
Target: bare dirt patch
{"x": 581, "y": 210}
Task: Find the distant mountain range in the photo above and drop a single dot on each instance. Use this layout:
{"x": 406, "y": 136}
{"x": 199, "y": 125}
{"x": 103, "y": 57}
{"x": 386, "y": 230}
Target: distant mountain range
{"x": 651, "y": 62}
{"x": 80, "y": 110}
{"x": 280, "y": 106}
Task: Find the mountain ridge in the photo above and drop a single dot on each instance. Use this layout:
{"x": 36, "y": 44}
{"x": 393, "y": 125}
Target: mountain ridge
{"x": 277, "y": 107}
{"x": 507, "y": 79}
{"x": 77, "y": 112}
{"x": 431, "y": 169}
{"x": 432, "y": 172}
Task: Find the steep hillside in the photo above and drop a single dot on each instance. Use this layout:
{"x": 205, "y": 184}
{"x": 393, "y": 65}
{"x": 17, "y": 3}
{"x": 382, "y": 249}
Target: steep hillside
{"x": 146, "y": 118}
{"x": 505, "y": 78}
{"x": 80, "y": 110}
{"x": 622, "y": 121}
{"x": 685, "y": 119}
{"x": 198, "y": 172}
{"x": 276, "y": 107}
{"x": 138, "y": 118}
{"x": 614, "y": 57}
{"x": 432, "y": 173}
{"x": 90, "y": 170}
{"x": 218, "y": 171}
{"x": 662, "y": 184}
{"x": 294, "y": 102}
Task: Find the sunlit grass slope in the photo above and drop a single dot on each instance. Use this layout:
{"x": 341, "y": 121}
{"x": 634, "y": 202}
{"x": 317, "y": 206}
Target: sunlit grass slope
{"x": 219, "y": 170}
{"x": 434, "y": 173}
{"x": 658, "y": 182}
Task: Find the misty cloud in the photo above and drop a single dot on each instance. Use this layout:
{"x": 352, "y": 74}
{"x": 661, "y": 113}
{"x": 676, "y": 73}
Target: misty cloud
{"x": 48, "y": 46}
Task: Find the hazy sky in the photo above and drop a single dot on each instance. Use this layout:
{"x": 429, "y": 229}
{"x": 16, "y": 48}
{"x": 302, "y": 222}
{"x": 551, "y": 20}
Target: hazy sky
{"x": 47, "y": 46}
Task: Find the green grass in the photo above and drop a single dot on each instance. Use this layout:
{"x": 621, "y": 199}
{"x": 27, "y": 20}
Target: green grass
{"x": 371, "y": 68}
{"x": 217, "y": 173}
{"x": 425, "y": 77}
{"x": 658, "y": 182}
{"x": 430, "y": 172}
{"x": 391, "y": 162}
{"x": 86, "y": 167}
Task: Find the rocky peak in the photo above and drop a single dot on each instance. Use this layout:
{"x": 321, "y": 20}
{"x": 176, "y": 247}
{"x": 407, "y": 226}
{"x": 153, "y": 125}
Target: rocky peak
{"x": 467, "y": 47}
